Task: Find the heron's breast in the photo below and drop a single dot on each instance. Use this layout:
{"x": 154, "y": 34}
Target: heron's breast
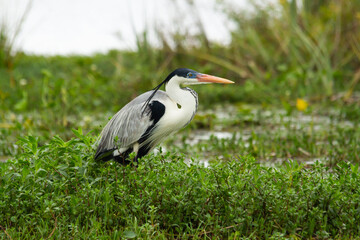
{"x": 176, "y": 117}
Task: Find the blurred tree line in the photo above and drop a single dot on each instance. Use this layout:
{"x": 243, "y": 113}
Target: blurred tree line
{"x": 308, "y": 49}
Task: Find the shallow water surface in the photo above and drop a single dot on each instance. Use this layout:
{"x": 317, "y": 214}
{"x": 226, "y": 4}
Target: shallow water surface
{"x": 271, "y": 136}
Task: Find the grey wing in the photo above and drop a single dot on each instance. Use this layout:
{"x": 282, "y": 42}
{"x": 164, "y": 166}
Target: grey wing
{"x": 127, "y": 126}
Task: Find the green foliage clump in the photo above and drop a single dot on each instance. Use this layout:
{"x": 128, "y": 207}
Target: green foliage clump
{"x": 295, "y": 49}
{"x": 58, "y": 190}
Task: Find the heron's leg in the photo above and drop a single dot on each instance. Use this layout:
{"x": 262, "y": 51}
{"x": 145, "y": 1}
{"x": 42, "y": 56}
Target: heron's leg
{"x": 122, "y": 156}
{"x": 136, "y": 150}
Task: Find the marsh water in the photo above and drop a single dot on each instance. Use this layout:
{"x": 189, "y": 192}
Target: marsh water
{"x": 272, "y": 136}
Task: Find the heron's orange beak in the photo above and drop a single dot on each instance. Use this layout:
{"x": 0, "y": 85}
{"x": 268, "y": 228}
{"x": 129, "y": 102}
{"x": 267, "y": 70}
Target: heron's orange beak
{"x": 212, "y": 79}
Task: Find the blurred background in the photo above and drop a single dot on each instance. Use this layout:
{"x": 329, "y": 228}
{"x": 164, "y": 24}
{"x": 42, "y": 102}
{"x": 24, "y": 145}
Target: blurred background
{"x": 70, "y": 64}
{"x": 87, "y": 27}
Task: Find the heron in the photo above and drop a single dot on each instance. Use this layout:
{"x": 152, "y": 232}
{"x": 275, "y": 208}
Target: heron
{"x": 151, "y": 117}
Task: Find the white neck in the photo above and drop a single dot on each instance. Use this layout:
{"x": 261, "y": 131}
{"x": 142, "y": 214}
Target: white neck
{"x": 175, "y": 117}
{"x": 183, "y": 97}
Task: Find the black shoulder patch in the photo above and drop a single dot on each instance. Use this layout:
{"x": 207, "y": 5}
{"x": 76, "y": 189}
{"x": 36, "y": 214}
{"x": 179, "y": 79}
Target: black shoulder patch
{"x": 157, "y": 111}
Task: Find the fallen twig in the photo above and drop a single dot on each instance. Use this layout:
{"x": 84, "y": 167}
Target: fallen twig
{"x": 55, "y": 225}
{"x": 5, "y": 232}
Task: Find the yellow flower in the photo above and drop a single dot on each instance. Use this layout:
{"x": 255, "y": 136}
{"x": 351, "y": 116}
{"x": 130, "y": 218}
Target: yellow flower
{"x": 357, "y": 15}
{"x": 301, "y": 104}
{"x": 27, "y": 123}
{"x": 283, "y": 2}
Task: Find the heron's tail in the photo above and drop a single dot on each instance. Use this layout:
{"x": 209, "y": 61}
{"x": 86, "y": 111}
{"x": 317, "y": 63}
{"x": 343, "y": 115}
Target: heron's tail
{"x": 113, "y": 154}
{"x": 104, "y": 155}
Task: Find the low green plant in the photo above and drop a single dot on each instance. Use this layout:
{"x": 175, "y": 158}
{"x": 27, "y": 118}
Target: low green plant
{"x": 52, "y": 188}
{"x": 57, "y": 190}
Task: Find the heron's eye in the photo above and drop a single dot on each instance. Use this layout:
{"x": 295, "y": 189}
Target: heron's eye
{"x": 190, "y": 75}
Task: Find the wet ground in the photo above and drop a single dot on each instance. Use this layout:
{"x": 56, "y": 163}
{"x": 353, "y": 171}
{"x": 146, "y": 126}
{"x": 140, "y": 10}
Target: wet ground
{"x": 273, "y": 136}
{"x": 4, "y": 158}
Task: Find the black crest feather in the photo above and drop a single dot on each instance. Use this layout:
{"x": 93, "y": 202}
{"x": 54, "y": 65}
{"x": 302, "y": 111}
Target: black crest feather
{"x": 181, "y": 72}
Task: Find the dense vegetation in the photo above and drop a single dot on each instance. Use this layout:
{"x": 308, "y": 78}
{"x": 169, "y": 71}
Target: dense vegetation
{"x": 296, "y": 102}
{"x": 57, "y": 190}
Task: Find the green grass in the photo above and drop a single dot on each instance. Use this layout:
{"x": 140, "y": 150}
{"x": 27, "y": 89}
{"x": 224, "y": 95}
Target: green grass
{"x": 58, "y": 191}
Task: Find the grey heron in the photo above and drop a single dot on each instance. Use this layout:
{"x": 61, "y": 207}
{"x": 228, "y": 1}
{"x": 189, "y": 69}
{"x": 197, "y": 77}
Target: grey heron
{"x": 149, "y": 118}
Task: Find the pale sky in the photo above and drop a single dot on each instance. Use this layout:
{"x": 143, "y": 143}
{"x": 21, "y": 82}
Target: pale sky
{"x": 88, "y": 26}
